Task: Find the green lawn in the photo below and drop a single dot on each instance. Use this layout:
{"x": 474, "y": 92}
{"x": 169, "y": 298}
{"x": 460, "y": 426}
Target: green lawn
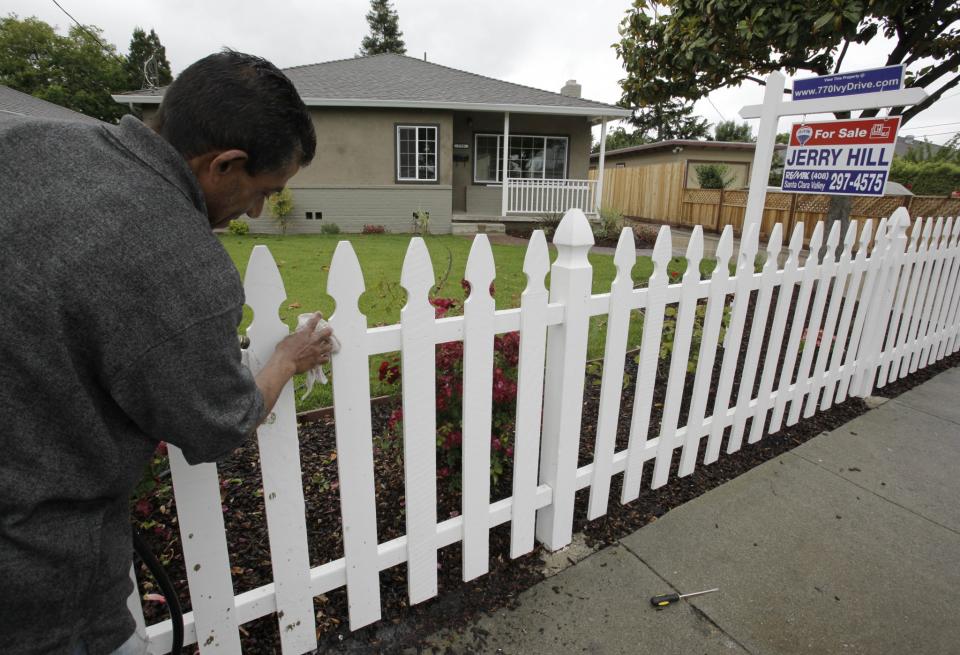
{"x": 304, "y": 262}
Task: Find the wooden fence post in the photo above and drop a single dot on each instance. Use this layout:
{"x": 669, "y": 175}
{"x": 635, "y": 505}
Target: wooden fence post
{"x": 571, "y": 278}
{"x": 719, "y": 210}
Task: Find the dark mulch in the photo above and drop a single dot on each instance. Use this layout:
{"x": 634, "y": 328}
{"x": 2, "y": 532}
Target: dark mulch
{"x": 459, "y": 603}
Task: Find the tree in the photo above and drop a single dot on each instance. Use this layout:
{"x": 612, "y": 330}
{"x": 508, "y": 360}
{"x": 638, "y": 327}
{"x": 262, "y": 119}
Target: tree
{"x": 731, "y": 131}
{"x": 78, "y": 71}
{"x": 713, "y": 176}
{"x": 147, "y": 65}
{"x": 280, "y": 205}
{"x": 671, "y": 119}
{"x": 385, "y": 34}
{"x": 619, "y": 138}
{"x": 689, "y": 48}
{"x": 695, "y": 46}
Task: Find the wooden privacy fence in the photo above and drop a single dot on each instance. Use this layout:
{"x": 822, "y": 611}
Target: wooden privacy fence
{"x": 878, "y": 315}
{"x": 714, "y": 209}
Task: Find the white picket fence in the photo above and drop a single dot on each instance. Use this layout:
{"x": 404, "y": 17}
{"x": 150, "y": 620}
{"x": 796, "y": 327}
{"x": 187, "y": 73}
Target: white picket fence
{"x": 897, "y": 305}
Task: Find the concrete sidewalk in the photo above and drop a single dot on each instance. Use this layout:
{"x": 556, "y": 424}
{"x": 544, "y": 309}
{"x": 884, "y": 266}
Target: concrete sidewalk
{"x": 848, "y": 544}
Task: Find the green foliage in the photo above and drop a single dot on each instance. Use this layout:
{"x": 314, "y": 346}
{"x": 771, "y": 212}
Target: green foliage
{"x": 147, "y": 65}
{"x": 670, "y": 329}
{"x": 330, "y": 228}
{"x": 619, "y": 138}
{"x": 74, "y": 71}
{"x": 688, "y": 48}
{"x": 385, "y": 34}
{"x": 421, "y": 222}
{"x": 731, "y": 131}
{"x": 238, "y": 227}
{"x": 669, "y": 119}
{"x": 611, "y": 222}
{"x": 549, "y": 224}
{"x": 713, "y": 176}
{"x": 923, "y": 151}
{"x": 926, "y": 178}
{"x": 280, "y": 205}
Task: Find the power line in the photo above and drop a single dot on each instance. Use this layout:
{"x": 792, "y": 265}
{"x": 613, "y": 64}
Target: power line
{"x": 89, "y": 33}
{"x": 722, "y": 117}
{"x": 936, "y": 134}
{"x": 923, "y": 127}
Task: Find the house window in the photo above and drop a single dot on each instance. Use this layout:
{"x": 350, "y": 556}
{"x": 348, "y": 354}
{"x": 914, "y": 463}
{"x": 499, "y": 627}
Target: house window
{"x": 530, "y": 157}
{"x": 416, "y": 153}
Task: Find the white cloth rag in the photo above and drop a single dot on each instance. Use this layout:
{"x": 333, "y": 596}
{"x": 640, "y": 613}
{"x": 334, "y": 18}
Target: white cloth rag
{"x": 316, "y": 374}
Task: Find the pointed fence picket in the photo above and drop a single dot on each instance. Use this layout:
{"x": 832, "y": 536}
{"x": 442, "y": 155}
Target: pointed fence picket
{"x": 731, "y": 350}
{"x": 478, "y": 331}
{"x": 712, "y": 324}
{"x": 526, "y": 447}
{"x": 611, "y": 385}
{"x": 656, "y": 300}
{"x": 685, "y": 315}
{"x": 880, "y": 314}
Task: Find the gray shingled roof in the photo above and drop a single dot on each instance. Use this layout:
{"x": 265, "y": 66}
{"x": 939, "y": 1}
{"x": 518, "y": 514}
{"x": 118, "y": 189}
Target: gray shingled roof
{"x": 401, "y": 81}
{"x": 15, "y": 102}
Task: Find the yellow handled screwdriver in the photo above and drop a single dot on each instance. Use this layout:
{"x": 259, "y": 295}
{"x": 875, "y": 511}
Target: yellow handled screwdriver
{"x": 667, "y": 599}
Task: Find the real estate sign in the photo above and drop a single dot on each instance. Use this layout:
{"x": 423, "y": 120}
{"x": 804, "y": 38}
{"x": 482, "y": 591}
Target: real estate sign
{"x": 874, "y": 80}
{"x": 844, "y": 157}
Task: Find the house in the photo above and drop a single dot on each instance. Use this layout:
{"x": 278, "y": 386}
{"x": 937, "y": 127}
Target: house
{"x": 686, "y": 155}
{"x": 396, "y": 135}
{"x": 22, "y": 104}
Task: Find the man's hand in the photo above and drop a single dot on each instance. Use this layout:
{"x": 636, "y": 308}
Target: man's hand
{"x": 306, "y": 349}
{"x": 297, "y": 353}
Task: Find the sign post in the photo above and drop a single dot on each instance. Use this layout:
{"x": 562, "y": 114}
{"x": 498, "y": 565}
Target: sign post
{"x": 828, "y": 101}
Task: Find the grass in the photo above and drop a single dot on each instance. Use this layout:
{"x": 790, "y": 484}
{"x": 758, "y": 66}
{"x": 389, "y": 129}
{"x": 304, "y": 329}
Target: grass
{"x": 304, "y": 263}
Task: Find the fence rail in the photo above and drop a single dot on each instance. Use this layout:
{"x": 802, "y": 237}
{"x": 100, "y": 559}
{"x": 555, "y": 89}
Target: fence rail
{"x": 837, "y": 328}
{"x": 525, "y": 196}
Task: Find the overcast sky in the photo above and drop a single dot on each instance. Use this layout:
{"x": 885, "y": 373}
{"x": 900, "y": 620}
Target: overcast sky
{"x": 540, "y": 43}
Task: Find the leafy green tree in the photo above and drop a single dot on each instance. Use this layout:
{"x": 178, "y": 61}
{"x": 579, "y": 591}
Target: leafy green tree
{"x": 688, "y": 48}
{"x": 922, "y": 151}
{"x": 147, "y": 65}
{"x": 78, "y": 71}
{"x": 731, "y": 131}
{"x": 776, "y": 165}
{"x": 619, "y": 138}
{"x": 671, "y": 119}
{"x": 385, "y": 34}
{"x": 714, "y": 176}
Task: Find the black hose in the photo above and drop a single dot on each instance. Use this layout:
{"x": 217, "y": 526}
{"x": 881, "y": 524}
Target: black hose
{"x": 169, "y": 593}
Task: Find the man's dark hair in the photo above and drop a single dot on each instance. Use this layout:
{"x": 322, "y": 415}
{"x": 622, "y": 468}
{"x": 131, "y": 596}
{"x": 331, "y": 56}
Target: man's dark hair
{"x": 232, "y": 100}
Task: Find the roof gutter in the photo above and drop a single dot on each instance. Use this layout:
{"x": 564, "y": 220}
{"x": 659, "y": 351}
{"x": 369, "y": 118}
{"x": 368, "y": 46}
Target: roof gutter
{"x": 594, "y": 113}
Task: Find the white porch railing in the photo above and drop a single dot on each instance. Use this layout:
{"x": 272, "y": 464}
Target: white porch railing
{"x": 525, "y": 196}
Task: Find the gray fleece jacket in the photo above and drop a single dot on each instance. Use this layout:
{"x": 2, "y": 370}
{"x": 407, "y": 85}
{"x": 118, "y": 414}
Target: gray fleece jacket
{"x": 118, "y": 320}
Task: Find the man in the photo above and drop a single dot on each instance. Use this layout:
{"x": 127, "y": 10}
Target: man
{"x": 118, "y": 328}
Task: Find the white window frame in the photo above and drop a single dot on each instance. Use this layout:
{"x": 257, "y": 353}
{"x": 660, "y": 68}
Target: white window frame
{"x": 499, "y": 136}
{"x": 416, "y": 153}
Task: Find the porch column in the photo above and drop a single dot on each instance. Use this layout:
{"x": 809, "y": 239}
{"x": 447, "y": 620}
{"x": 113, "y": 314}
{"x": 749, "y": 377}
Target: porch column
{"x": 506, "y": 153}
{"x": 603, "y": 152}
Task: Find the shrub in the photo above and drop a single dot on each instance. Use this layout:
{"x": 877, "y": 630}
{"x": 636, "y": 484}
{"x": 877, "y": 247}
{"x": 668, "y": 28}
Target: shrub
{"x": 926, "y": 178}
{"x": 421, "y": 222}
{"x": 645, "y": 235}
{"x": 373, "y": 229}
{"x": 330, "y": 228}
{"x": 449, "y": 402}
{"x": 713, "y": 176}
{"x": 611, "y": 222}
{"x": 549, "y": 224}
{"x": 281, "y": 204}
{"x": 238, "y": 227}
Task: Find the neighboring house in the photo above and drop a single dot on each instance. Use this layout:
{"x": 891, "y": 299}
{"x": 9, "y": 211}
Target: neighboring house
{"x": 681, "y": 157}
{"x": 397, "y": 134}
{"x": 907, "y": 143}
{"x": 23, "y": 104}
